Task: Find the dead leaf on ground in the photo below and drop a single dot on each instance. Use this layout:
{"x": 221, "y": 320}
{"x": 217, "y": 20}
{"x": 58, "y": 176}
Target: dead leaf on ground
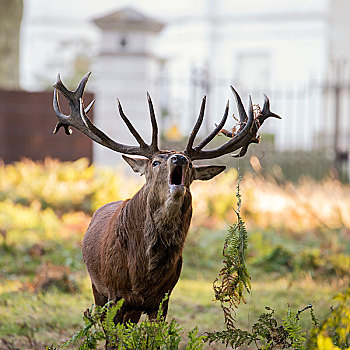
{"x": 48, "y": 275}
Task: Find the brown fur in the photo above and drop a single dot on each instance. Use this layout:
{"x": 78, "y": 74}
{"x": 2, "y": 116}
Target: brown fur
{"x": 133, "y": 248}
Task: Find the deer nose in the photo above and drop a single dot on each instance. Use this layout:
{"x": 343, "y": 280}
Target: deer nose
{"x": 178, "y": 159}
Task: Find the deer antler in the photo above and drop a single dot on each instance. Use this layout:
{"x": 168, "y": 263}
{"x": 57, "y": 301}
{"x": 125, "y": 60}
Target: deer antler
{"x": 78, "y": 119}
{"x": 247, "y": 134}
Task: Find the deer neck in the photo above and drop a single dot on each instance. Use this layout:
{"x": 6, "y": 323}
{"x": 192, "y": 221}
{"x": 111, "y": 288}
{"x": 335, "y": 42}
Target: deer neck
{"x": 165, "y": 223}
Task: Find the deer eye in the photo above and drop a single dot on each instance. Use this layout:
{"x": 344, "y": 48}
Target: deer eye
{"x": 155, "y": 163}
{"x": 190, "y": 166}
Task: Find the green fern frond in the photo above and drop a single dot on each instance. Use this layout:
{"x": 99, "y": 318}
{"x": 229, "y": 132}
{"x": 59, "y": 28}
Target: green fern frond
{"x": 150, "y": 335}
{"x": 233, "y": 278}
{"x": 229, "y": 288}
{"x": 110, "y": 310}
{"x": 294, "y": 329}
{"x": 92, "y": 333}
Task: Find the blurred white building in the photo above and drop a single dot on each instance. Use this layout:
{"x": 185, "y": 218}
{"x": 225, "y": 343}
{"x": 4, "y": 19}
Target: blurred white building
{"x": 283, "y": 48}
{"x": 126, "y": 67}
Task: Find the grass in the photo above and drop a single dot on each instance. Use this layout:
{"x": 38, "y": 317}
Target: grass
{"x": 39, "y": 318}
{"x": 298, "y": 251}
{"x": 54, "y": 316}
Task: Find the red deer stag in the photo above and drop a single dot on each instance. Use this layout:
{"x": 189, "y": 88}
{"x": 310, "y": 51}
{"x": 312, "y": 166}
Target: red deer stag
{"x": 133, "y": 248}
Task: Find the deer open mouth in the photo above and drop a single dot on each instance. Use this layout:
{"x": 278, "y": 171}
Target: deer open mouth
{"x": 176, "y": 176}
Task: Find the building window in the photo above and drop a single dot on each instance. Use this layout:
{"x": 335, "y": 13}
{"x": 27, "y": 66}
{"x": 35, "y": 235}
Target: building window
{"x": 123, "y": 42}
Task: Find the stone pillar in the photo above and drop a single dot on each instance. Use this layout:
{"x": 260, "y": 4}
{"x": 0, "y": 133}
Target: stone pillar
{"x": 126, "y": 68}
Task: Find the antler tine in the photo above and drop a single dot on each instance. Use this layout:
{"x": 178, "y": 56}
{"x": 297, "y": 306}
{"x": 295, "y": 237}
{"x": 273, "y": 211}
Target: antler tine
{"x": 60, "y": 86}
{"x": 250, "y": 111}
{"x": 89, "y": 107}
{"x": 241, "y": 111}
{"x": 266, "y": 113}
{"x": 154, "y": 143}
{"x": 196, "y": 127}
{"x": 231, "y": 145}
{"x": 81, "y": 87}
{"x": 217, "y": 129}
{"x": 266, "y": 106}
{"x": 78, "y": 119}
{"x": 244, "y": 149}
{"x": 246, "y": 135}
{"x": 61, "y": 117}
{"x": 131, "y": 128}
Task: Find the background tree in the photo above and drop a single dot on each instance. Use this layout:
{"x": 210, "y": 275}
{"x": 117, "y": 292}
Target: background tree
{"x": 10, "y": 24}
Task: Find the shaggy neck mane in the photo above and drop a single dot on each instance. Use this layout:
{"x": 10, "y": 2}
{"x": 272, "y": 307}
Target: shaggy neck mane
{"x": 164, "y": 224}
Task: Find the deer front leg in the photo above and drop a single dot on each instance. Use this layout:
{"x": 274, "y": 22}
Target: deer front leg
{"x": 132, "y": 316}
{"x": 152, "y": 315}
{"x": 100, "y": 299}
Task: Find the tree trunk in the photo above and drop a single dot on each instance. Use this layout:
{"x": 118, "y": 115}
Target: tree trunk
{"x": 10, "y": 25}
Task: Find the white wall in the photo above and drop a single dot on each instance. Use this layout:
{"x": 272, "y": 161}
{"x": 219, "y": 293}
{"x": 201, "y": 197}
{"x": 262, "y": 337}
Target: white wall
{"x": 293, "y": 39}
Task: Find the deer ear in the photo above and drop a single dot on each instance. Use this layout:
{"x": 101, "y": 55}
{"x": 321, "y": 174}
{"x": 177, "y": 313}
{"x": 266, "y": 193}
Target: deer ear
{"x": 207, "y": 172}
{"x": 138, "y": 165}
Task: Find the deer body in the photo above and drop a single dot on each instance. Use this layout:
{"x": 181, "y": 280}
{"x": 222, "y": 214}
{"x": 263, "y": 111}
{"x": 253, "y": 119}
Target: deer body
{"x": 133, "y": 248}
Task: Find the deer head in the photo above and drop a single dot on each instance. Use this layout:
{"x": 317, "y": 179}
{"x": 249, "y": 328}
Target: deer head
{"x": 171, "y": 173}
